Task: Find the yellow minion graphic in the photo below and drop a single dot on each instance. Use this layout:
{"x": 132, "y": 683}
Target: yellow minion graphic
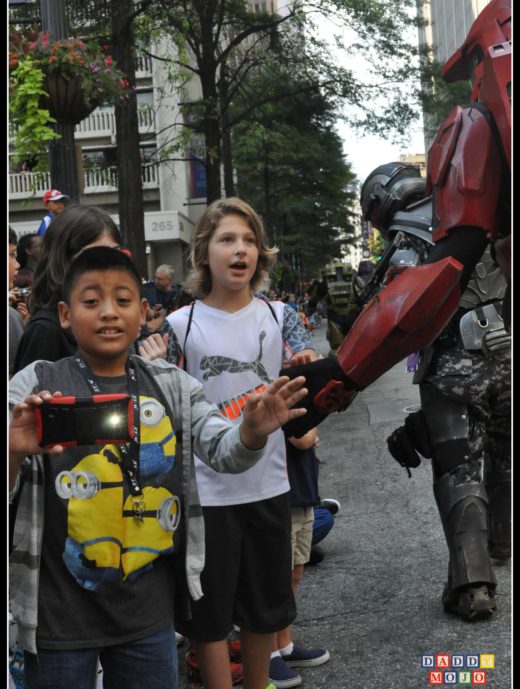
{"x": 107, "y": 536}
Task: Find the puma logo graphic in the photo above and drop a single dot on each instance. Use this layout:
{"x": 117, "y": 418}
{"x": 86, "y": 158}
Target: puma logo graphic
{"x": 215, "y": 365}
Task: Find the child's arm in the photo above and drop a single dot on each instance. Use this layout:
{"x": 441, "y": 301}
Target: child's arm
{"x": 268, "y": 411}
{"x": 310, "y": 439}
{"x": 22, "y": 433}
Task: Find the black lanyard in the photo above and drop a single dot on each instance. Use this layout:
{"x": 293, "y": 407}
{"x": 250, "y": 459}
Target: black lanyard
{"x": 129, "y": 452}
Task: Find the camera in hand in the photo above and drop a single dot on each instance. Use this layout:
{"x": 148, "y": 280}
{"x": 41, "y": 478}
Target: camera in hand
{"x": 95, "y": 420}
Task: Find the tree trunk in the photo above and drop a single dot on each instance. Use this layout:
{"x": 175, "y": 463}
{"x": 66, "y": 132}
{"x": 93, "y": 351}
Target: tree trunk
{"x": 227, "y": 153}
{"x": 131, "y": 207}
{"x": 210, "y": 95}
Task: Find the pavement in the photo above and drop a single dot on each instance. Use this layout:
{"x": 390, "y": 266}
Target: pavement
{"x": 374, "y": 601}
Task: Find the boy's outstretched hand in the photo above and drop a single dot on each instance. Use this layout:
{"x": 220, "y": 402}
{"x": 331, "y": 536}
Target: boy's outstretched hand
{"x": 268, "y": 411}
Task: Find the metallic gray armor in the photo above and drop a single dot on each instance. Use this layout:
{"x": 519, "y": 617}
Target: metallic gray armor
{"x": 464, "y": 379}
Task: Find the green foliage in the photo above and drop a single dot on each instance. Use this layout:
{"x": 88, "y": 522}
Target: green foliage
{"x": 377, "y": 246}
{"x": 33, "y": 131}
{"x": 293, "y": 172}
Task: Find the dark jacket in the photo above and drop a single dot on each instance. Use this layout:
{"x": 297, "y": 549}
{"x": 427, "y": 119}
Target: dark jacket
{"x": 44, "y": 338}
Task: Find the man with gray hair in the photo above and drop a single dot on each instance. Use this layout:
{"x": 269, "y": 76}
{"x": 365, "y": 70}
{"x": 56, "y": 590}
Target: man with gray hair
{"x": 161, "y": 292}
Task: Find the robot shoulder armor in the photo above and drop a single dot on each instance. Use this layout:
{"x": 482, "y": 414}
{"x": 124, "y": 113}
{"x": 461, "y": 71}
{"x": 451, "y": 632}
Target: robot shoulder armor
{"x": 465, "y": 141}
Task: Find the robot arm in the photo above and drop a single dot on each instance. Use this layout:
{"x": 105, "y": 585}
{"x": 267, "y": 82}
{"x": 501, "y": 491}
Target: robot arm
{"x": 405, "y": 316}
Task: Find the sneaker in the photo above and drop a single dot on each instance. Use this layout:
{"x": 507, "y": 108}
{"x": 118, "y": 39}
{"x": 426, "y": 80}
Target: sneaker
{"x": 306, "y": 657}
{"x": 333, "y": 506}
{"x": 281, "y": 675}
{"x": 316, "y": 555}
{"x": 194, "y": 676}
{"x": 235, "y": 651}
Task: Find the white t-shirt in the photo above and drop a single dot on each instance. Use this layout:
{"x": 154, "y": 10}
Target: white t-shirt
{"x": 232, "y": 355}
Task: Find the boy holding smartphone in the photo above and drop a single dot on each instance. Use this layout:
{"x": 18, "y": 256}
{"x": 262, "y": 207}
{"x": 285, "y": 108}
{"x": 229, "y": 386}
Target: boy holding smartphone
{"x": 100, "y": 530}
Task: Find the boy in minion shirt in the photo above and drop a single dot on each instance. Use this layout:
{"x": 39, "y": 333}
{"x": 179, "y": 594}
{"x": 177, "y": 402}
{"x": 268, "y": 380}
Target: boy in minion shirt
{"x": 91, "y": 568}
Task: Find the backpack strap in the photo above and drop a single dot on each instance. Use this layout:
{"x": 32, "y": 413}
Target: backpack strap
{"x": 184, "y": 356}
{"x": 272, "y": 311}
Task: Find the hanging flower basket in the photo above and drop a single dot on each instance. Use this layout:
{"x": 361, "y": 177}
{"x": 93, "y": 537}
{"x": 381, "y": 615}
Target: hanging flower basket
{"x": 66, "y": 99}
{"x": 62, "y": 80}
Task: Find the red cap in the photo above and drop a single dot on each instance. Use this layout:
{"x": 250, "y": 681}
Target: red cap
{"x": 53, "y": 195}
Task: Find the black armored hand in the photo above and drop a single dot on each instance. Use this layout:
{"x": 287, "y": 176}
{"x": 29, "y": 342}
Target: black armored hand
{"x": 329, "y": 390}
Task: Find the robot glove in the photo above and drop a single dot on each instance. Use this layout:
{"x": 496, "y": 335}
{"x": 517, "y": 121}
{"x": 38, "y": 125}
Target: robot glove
{"x": 329, "y": 390}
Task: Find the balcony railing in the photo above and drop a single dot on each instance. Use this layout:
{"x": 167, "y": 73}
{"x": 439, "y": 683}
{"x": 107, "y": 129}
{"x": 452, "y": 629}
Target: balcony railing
{"x": 105, "y": 179}
{"x": 24, "y": 185}
{"x": 102, "y": 123}
{"x": 143, "y": 67}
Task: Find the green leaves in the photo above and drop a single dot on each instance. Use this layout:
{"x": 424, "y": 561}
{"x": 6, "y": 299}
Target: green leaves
{"x": 29, "y": 122}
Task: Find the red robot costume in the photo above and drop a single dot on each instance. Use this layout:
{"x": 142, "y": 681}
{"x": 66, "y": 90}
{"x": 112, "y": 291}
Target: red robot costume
{"x": 469, "y": 181}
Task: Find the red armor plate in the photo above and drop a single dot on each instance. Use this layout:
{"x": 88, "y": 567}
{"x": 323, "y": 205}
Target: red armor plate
{"x": 464, "y": 172}
{"x": 404, "y": 317}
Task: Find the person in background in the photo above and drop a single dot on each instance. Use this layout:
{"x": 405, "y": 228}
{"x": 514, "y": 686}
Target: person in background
{"x": 302, "y": 469}
{"x": 18, "y": 312}
{"x": 27, "y": 254}
{"x": 54, "y": 202}
{"x": 77, "y": 228}
{"x": 161, "y": 292}
{"x": 324, "y": 518}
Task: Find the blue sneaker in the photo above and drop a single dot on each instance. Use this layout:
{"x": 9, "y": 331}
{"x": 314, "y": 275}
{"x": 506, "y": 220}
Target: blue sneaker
{"x": 306, "y": 657}
{"x": 281, "y": 675}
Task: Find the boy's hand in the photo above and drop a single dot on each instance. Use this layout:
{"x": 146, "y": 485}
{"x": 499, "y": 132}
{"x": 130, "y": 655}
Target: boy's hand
{"x": 22, "y": 429}
{"x": 154, "y": 347}
{"x": 268, "y": 411}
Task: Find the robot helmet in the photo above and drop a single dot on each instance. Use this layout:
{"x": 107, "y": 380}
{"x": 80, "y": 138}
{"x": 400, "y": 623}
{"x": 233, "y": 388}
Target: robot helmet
{"x": 387, "y": 189}
{"x": 491, "y": 27}
{"x": 337, "y": 272}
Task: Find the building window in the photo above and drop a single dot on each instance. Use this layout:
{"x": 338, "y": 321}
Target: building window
{"x": 145, "y": 99}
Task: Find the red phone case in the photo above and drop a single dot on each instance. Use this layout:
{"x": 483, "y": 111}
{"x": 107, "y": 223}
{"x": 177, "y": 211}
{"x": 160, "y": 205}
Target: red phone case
{"x": 79, "y": 403}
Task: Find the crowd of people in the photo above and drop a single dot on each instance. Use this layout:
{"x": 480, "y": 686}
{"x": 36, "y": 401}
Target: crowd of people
{"x": 192, "y": 520}
{"x": 87, "y": 315}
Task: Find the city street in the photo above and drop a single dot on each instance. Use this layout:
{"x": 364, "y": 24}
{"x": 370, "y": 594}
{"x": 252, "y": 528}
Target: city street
{"x": 374, "y": 601}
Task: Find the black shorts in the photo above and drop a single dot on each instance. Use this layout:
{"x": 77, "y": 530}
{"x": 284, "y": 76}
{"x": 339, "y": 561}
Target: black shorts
{"x": 247, "y": 577}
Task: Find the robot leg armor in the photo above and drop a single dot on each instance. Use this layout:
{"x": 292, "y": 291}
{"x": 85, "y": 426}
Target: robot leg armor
{"x": 498, "y": 486}
{"x": 463, "y": 506}
{"x": 470, "y": 590}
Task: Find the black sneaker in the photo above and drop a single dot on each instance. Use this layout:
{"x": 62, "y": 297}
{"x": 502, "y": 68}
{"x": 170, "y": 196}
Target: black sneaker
{"x": 306, "y": 657}
{"x": 316, "y": 555}
{"x": 333, "y": 506}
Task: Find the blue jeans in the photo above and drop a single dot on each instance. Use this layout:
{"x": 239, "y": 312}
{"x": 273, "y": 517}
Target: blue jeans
{"x": 149, "y": 663}
{"x": 323, "y": 523}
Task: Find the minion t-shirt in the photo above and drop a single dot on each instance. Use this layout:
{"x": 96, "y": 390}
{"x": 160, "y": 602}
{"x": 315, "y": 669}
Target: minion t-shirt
{"x": 106, "y": 567}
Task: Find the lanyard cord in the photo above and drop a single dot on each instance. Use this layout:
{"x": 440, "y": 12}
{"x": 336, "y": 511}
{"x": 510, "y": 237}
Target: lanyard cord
{"x": 129, "y": 452}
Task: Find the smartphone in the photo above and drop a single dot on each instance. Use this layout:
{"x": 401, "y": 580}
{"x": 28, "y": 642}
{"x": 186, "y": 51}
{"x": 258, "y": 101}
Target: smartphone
{"x": 94, "y": 420}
